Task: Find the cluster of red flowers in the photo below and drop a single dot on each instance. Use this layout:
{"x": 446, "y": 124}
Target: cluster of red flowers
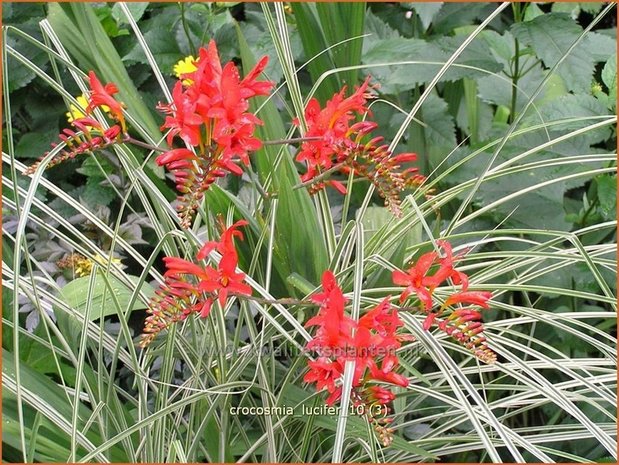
{"x": 463, "y": 324}
{"x": 337, "y": 144}
{"x": 191, "y": 288}
{"x": 92, "y": 136}
{"x": 370, "y": 342}
{"x": 209, "y": 113}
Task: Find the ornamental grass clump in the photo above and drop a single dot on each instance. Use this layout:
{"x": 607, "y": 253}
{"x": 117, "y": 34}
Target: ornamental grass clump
{"x": 376, "y": 243}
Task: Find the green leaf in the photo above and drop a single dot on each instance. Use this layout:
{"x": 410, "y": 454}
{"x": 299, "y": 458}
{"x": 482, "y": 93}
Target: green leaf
{"x": 92, "y": 167}
{"x": 573, "y": 9}
{"x": 498, "y": 89}
{"x": 378, "y": 30}
{"x": 600, "y": 46}
{"x": 440, "y": 129}
{"x": 573, "y": 106}
{"x": 340, "y": 21}
{"x": 609, "y": 77}
{"x": 161, "y": 41}
{"x": 532, "y": 11}
{"x": 34, "y": 144}
{"x": 550, "y": 36}
{"x": 474, "y": 55}
{"x": 136, "y": 9}
{"x": 97, "y": 194}
{"x": 591, "y": 7}
{"x": 427, "y": 12}
{"x": 395, "y": 79}
{"x": 322, "y": 25}
{"x": 18, "y": 75}
{"x": 607, "y": 194}
{"x": 75, "y": 293}
{"x": 453, "y": 15}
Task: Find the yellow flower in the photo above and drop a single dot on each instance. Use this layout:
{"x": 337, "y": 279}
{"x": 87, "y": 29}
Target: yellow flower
{"x": 185, "y": 66}
{"x": 82, "y": 266}
{"x": 78, "y": 112}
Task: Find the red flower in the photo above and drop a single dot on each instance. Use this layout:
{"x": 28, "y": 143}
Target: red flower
{"x": 103, "y": 95}
{"x": 339, "y": 339}
{"x": 385, "y": 372}
{"x": 92, "y": 138}
{"x": 470, "y": 297}
{"x": 340, "y": 143}
{"x": 325, "y": 374}
{"x": 334, "y": 328}
{"x": 210, "y": 114}
{"x": 191, "y": 288}
{"x": 418, "y": 281}
{"x": 378, "y": 394}
{"x": 463, "y": 324}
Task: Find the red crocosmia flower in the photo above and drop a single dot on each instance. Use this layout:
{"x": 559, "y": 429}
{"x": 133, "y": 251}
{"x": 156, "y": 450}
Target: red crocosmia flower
{"x": 103, "y": 95}
{"x": 470, "y": 297}
{"x": 341, "y": 144}
{"x": 418, "y": 280}
{"x": 192, "y": 288}
{"x": 92, "y": 138}
{"x": 332, "y": 125}
{"x": 209, "y": 112}
{"x": 463, "y": 324}
{"x": 368, "y": 342}
{"x": 334, "y": 328}
{"x": 380, "y": 395}
{"x": 325, "y": 374}
{"x": 385, "y": 372}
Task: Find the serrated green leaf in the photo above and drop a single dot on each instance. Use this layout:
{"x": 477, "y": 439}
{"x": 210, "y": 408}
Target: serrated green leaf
{"x": 97, "y": 194}
{"x": 34, "y": 144}
{"x": 550, "y": 36}
{"x": 378, "y": 30}
{"x": 440, "y": 129}
{"x": 427, "y": 12}
{"x": 573, "y": 106}
{"x": 453, "y": 15}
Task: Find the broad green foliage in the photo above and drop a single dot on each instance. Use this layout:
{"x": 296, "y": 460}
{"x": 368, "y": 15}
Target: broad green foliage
{"x": 517, "y": 140}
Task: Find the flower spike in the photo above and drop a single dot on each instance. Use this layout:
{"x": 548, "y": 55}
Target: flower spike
{"x": 209, "y": 113}
{"x": 462, "y": 324}
{"x": 342, "y": 144}
{"x": 191, "y": 288}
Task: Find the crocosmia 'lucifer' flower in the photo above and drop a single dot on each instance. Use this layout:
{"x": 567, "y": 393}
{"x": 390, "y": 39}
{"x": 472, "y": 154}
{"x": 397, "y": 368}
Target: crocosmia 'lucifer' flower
{"x": 209, "y": 113}
{"x": 193, "y": 288}
{"x": 463, "y": 324}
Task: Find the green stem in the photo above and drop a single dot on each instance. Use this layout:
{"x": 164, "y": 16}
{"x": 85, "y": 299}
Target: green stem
{"x": 321, "y": 176}
{"x": 588, "y": 212}
{"x": 515, "y": 71}
{"x": 186, "y": 29}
